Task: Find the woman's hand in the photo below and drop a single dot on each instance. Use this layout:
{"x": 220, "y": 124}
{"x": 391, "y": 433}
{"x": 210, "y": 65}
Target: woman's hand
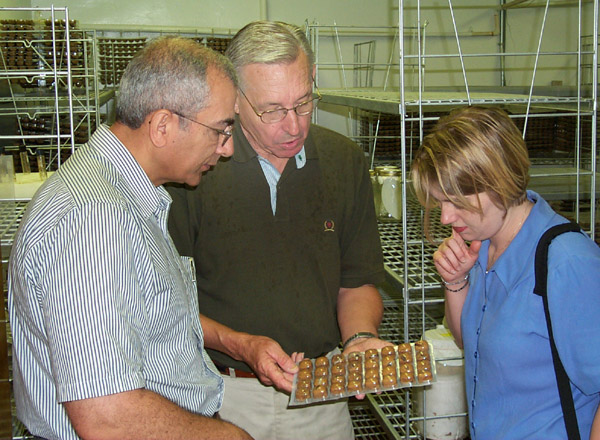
{"x": 454, "y": 258}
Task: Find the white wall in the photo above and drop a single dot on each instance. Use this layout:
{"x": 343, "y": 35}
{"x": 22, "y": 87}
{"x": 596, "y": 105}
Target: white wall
{"x": 134, "y": 13}
{"x": 222, "y": 13}
{"x": 15, "y": 15}
{"x": 225, "y": 14}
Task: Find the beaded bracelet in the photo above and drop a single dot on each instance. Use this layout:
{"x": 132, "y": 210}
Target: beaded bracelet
{"x": 466, "y": 281}
{"x": 454, "y": 283}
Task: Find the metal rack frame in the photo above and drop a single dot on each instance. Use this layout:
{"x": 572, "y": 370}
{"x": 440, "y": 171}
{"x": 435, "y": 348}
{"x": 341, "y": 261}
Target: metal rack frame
{"x": 117, "y": 46}
{"x": 11, "y": 214}
{"x": 64, "y": 93}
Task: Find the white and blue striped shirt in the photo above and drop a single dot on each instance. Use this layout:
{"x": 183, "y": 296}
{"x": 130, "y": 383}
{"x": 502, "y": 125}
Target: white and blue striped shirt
{"x": 100, "y": 302}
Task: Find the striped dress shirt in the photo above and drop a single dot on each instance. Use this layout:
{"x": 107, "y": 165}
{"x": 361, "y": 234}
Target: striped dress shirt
{"x": 100, "y": 301}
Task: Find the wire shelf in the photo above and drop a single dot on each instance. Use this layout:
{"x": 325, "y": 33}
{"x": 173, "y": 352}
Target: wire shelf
{"x": 10, "y": 217}
{"x": 419, "y": 266}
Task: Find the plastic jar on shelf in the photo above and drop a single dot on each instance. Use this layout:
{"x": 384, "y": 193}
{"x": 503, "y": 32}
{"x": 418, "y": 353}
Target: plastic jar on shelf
{"x": 390, "y": 187}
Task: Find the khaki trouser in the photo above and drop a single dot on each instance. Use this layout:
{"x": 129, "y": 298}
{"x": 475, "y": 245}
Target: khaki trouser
{"x": 263, "y": 412}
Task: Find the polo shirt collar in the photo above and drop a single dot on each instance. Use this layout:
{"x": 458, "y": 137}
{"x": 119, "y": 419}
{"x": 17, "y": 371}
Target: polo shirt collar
{"x": 301, "y": 158}
{"x": 243, "y": 151}
{"x": 517, "y": 257}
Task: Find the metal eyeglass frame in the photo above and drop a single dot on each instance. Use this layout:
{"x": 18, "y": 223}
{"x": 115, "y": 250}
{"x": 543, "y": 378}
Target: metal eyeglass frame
{"x": 285, "y": 110}
{"x": 225, "y": 133}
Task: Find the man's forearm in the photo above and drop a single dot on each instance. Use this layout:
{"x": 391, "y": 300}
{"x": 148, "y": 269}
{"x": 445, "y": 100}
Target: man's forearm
{"x": 222, "y": 338}
{"x": 359, "y": 310}
{"x": 143, "y": 414}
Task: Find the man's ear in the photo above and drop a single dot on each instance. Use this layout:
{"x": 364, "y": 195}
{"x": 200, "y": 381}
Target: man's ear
{"x": 162, "y": 124}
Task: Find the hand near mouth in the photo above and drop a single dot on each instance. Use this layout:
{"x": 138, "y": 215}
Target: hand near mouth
{"x": 454, "y": 258}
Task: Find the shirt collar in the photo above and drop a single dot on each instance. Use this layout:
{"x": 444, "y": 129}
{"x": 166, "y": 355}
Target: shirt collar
{"x": 300, "y": 158}
{"x": 131, "y": 176}
{"x": 243, "y": 151}
{"x": 517, "y": 257}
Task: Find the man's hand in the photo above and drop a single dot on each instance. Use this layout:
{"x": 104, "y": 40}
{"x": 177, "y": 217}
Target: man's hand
{"x": 269, "y": 362}
{"x": 263, "y": 355}
{"x": 363, "y": 344}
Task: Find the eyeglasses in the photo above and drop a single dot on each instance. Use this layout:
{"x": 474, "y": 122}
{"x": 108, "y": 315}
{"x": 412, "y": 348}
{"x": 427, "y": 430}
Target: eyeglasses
{"x": 227, "y": 133}
{"x": 277, "y": 115}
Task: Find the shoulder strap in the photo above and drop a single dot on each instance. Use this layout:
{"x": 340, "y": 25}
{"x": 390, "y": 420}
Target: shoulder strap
{"x": 541, "y": 288}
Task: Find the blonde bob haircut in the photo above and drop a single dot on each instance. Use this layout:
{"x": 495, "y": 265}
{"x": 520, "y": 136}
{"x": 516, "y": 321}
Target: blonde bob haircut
{"x": 472, "y": 150}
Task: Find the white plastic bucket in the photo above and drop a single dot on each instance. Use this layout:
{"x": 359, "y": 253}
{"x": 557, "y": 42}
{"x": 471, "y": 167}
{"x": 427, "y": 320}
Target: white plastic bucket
{"x": 446, "y": 396}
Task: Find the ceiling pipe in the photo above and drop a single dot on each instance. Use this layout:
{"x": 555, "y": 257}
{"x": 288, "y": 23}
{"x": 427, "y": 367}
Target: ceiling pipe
{"x": 263, "y": 9}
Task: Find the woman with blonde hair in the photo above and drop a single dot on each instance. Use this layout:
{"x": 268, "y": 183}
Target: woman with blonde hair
{"x": 474, "y": 165}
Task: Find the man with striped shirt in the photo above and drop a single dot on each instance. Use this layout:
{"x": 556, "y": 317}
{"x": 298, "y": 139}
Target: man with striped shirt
{"x": 107, "y": 341}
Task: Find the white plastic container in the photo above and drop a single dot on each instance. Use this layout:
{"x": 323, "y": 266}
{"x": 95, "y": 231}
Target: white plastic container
{"x": 390, "y": 187}
{"x": 447, "y": 395}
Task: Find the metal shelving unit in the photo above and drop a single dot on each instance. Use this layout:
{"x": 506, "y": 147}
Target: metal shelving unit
{"x": 389, "y": 101}
{"x": 421, "y": 273}
{"x": 11, "y": 214}
{"x": 113, "y": 56}
{"x": 116, "y": 46}
{"x": 51, "y": 99}
{"x": 568, "y": 177}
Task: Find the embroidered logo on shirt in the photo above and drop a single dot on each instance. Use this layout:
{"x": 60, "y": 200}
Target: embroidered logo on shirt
{"x": 329, "y": 226}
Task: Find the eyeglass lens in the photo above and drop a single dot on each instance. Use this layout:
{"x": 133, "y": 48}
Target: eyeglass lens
{"x": 302, "y": 109}
{"x": 227, "y": 133}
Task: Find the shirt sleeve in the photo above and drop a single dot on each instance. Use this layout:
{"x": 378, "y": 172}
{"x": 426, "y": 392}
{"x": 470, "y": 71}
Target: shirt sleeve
{"x": 362, "y": 258}
{"x": 574, "y": 300}
{"x": 93, "y": 307}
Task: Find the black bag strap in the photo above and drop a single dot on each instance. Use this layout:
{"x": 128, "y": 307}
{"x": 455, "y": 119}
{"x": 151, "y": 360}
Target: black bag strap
{"x": 541, "y": 289}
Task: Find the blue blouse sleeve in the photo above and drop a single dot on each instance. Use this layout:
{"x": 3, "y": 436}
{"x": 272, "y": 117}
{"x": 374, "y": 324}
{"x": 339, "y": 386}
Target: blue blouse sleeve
{"x": 574, "y": 299}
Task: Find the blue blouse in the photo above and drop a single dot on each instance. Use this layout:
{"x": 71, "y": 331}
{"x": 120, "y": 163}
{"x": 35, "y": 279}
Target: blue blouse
{"x": 510, "y": 380}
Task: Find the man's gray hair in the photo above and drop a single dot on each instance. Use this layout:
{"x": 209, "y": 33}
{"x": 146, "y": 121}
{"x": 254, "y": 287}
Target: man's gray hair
{"x": 268, "y": 42}
{"x": 168, "y": 73}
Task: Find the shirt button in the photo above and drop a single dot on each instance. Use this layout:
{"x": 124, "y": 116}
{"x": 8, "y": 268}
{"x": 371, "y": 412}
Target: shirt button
{"x": 475, "y": 355}
{"x": 479, "y": 331}
{"x": 484, "y": 308}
